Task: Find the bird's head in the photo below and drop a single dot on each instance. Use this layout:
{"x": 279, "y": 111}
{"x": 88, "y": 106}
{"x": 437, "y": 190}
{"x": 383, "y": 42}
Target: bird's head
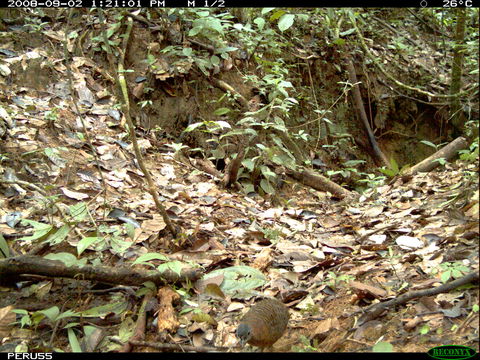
{"x": 244, "y": 333}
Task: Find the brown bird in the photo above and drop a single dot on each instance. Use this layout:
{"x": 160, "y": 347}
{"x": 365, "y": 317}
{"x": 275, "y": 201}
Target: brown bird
{"x": 263, "y": 324}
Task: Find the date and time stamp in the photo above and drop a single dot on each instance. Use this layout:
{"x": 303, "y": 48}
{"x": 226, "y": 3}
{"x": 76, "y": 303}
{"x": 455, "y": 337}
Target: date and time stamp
{"x": 113, "y": 3}
{"x": 187, "y": 3}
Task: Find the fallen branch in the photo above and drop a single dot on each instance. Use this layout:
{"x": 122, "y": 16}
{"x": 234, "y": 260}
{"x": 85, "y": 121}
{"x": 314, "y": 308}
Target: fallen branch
{"x": 207, "y": 166}
{"x": 209, "y": 48}
{"x": 222, "y": 85}
{"x": 374, "y": 311}
{"x": 319, "y": 182}
{"x": 447, "y": 152}
{"x": 140, "y": 326}
{"x": 172, "y": 347}
{"x": 35, "y": 265}
{"x": 231, "y": 172}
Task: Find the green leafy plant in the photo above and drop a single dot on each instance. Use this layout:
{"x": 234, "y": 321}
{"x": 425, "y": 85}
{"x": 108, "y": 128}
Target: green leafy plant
{"x": 208, "y": 126}
{"x": 451, "y": 270}
{"x": 471, "y": 154}
{"x": 335, "y": 281}
{"x": 148, "y": 287}
{"x": 382, "y": 347}
{"x": 206, "y": 23}
{"x": 393, "y": 258}
{"x": 239, "y": 281}
{"x": 146, "y": 259}
{"x": 348, "y": 169}
{"x": 110, "y": 237}
{"x": 145, "y": 103}
{"x": 35, "y": 25}
{"x": 272, "y": 234}
{"x": 424, "y": 329}
{"x": 428, "y": 143}
{"x": 51, "y": 115}
{"x": 177, "y": 147}
{"x": 394, "y": 169}
{"x": 40, "y": 230}
{"x": 307, "y": 345}
{"x": 53, "y": 314}
{"x": 371, "y": 180}
{"x": 99, "y": 41}
{"x": 4, "y": 249}
{"x": 258, "y": 158}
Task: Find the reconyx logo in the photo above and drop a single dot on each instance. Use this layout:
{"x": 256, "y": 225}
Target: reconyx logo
{"x": 447, "y": 352}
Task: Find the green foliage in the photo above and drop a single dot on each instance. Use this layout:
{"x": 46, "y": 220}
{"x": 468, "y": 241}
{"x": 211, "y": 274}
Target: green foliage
{"x": 116, "y": 307}
{"x": 451, "y": 270}
{"x": 175, "y": 265}
{"x": 73, "y": 341}
{"x": 67, "y": 258}
{"x": 394, "y": 170}
{"x": 25, "y": 319}
{"x": 348, "y": 169}
{"x": 51, "y": 115}
{"x": 85, "y": 242}
{"x": 78, "y": 212}
{"x": 428, "y": 143}
{"x": 4, "y": 249}
{"x": 239, "y": 281}
{"x": 440, "y": 161}
{"x": 176, "y": 146}
{"x": 257, "y": 158}
{"x": 310, "y": 309}
{"x": 307, "y": 345}
{"x": 35, "y": 24}
{"x": 382, "y": 347}
{"x": 272, "y": 234}
{"x": 111, "y": 238}
{"x": 222, "y": 111}
{"x": 424, "y": 329}
{"x": 285, "y": 22}
{"x": 335, "y": 281}
{"x": 471, "y": 154}
{"x": 371, "y": 180}
{"x": 53, "y": 314}
{"x": 209, "y": 24}
{"x": 53, "y": 155}
{"x": 210, "y": 126}
{"x": 59, "y": 235}
{"x": 148, "y": 287}
{"x": 260, "y": 37}
{"x": 145, "y": 103}
{"x": 41, "y": 230}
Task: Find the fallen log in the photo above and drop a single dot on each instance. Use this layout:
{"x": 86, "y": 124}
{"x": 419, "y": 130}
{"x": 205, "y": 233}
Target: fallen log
{"x": 319, "y": 182}
{"x": 11, "y": 268}
{"x": 447, "y": 152}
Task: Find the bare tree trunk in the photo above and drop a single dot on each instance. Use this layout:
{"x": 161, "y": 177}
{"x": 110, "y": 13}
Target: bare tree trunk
{"x": 457, "y": 68}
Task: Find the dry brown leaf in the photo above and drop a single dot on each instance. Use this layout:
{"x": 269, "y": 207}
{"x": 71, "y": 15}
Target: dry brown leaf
{"x": 263, "y": 260}
{"x": 214, "y": 291}
{"x": 361, "y": 288}
{"x": 74, "y": 194}
{"x": 325, "y": 327}
{"x": 7, "y": 318}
